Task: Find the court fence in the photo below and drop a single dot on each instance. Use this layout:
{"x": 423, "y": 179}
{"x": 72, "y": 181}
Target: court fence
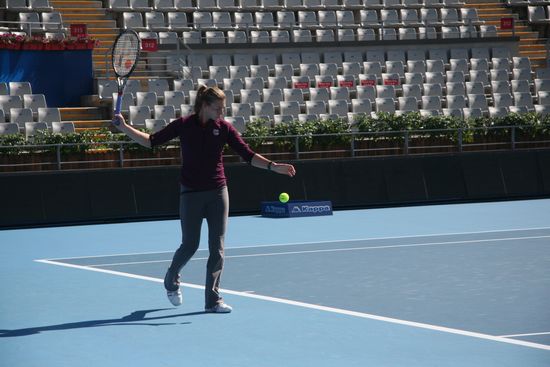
{"x": 117, "y": 154}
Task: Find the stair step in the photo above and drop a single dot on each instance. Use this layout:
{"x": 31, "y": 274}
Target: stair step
{"x": 497, "y": 15}
{"x": 495, "y": 9}
{"x": 484, "y": 5}
{"x": 68, "y": 11}
{"x": 102, "y": 58}
{"x": 80, "y": 113}
{"x": 83, "y": 18}
{"x": 101, "y": 51}
{"x": 104, "y": 30}
{"x": 534, "y": 47}
{"x": 537, "y": 61}
{"x": 533, "y": 53}
{"x": 497, "y": 23}
{"x": 99, "y": 23}
{"x": 519, "y": 34}
{"x": 493, "y": 12}
{"x": 81, "y": 125}
{"x": 106, "y": 38}
{"x": 494, "y": 19}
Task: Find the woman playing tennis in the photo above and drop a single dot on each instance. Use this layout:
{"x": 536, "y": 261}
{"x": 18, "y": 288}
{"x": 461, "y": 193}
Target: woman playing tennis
{"x": 203, "y": 136}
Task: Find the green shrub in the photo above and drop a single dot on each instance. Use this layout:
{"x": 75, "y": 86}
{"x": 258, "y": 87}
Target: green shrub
{"x": 305, "y": 130}
{"x": 330, "y": 127}
{"x": 84, "y": 141}
{"x": 256, "y": 130}
{"x": 16, "y": 142}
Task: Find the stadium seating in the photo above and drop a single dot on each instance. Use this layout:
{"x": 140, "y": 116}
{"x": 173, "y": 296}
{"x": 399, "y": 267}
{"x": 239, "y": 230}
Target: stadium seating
{"x": 284, "y": 80}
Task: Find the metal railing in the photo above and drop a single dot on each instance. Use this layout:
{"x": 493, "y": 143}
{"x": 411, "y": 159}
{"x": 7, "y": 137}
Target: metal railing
{"x": 292, "y": 147}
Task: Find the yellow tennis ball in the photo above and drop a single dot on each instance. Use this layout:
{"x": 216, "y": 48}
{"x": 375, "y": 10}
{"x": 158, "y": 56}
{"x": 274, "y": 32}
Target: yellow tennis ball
{"x": 283, "y": 197}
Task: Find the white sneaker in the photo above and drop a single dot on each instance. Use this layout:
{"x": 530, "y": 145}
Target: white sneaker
{"x": 219, "y": 308}
{"x": 172, "y": 286}
{"x": 175, "y": 297}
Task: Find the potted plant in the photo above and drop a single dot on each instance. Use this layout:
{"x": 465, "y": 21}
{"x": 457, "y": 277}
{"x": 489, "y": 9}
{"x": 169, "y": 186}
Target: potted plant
{"x": 54, "y": 44}
{"x": 80, "y": 43}
{"x": 33, "y": 43}
{"x": 11, "y": 41}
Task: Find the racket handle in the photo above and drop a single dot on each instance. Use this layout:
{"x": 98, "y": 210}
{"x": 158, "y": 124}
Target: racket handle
{"x": 118, "y": 107}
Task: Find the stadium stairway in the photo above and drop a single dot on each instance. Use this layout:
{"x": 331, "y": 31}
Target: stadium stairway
{"x": 531, "y": 44}
{"x": 101, "y": 27}
{"x": 84, "y": 118}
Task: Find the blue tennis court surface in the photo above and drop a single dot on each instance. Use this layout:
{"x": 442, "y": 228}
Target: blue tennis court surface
{"x": 447, "y": 285}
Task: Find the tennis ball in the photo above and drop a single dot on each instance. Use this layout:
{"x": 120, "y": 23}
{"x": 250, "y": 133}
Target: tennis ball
{"x": 283, "y": 197}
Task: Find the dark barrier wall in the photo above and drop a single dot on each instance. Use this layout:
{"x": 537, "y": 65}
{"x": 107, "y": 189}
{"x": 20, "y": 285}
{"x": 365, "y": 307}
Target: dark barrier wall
{"x": 62, "y": 76}
{"x": 93, "y": 196}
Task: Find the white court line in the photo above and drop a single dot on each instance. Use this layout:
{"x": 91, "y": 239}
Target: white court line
{"x": 531, "y": 334}
{"x": 363, "y": 248}
{"x": 327, "y": 241}
{"x": 322, "y": 308}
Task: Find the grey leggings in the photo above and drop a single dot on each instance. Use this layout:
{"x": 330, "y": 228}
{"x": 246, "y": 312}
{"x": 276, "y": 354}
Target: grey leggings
{"x": 194, "y": 206}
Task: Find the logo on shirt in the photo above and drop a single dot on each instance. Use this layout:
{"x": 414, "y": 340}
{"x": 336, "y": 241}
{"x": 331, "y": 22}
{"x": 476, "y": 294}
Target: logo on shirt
{"x": 216, "y": 132}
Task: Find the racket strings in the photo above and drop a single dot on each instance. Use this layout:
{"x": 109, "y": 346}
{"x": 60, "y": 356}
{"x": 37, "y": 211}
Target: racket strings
{"x": 125, "y": 54}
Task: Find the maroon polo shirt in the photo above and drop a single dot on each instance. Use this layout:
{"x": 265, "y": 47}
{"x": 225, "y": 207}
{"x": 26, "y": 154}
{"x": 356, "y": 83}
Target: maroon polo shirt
{"x": 202, "y": 149}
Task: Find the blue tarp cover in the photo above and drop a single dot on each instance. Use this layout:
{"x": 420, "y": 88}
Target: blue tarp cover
{"x": 62, "y": 76}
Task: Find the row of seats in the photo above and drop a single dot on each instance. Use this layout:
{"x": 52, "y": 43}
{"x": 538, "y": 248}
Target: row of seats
{"x": 323, "y": 35}
{"x": 19, "y": 105}
{"x": 434, "y": 84}
{"x": 525, "y": 3}
{"x": 22, "y": 115}
{"x": 497, "y": 69}
{"x": 159, "y": 21}
{"x": 15, "y": 88}
{"x": 276, "y": 95}
{"x": 239, "y": 122}
{"x": 270, "y": 59}
{"x": 40, "y": 22}
{"x": 273, "y": 5}
{"x": 263, "y": 65}
{"x": 454, "y": 83}
{"x": 30, "y": 128}
{"x": 26, "y": 5}
{"x": 472, "y": 106}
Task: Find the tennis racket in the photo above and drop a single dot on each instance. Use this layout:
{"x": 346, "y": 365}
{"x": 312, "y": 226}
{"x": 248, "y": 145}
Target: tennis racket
{"x": 125, "y": 56}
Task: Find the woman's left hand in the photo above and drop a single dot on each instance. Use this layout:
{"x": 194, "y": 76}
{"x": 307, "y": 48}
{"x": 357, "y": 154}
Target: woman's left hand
{"x": 283, "y": 169}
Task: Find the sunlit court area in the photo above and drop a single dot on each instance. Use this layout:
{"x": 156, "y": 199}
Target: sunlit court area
{"x": 268, "y": 183}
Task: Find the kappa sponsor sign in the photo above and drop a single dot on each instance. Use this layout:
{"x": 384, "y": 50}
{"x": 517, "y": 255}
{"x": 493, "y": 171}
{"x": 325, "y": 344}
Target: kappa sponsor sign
{"x": 275, "y": 209}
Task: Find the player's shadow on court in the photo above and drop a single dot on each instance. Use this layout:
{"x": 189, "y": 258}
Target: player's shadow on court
{"x": 134, "y": 319}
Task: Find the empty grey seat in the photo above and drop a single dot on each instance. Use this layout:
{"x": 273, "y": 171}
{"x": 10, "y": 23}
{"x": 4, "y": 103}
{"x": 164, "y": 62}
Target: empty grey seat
{"x": 8, "y": 128}
{"x": 63, "y": 127}
{"x": 31, "y": 128}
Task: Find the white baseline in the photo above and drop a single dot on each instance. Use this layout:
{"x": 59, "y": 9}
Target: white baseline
{"x": 321, "y": 308}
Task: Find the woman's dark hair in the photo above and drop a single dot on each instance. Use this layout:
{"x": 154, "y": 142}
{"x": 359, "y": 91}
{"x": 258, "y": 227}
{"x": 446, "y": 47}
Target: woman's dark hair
{"x": 208, "y": 95}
